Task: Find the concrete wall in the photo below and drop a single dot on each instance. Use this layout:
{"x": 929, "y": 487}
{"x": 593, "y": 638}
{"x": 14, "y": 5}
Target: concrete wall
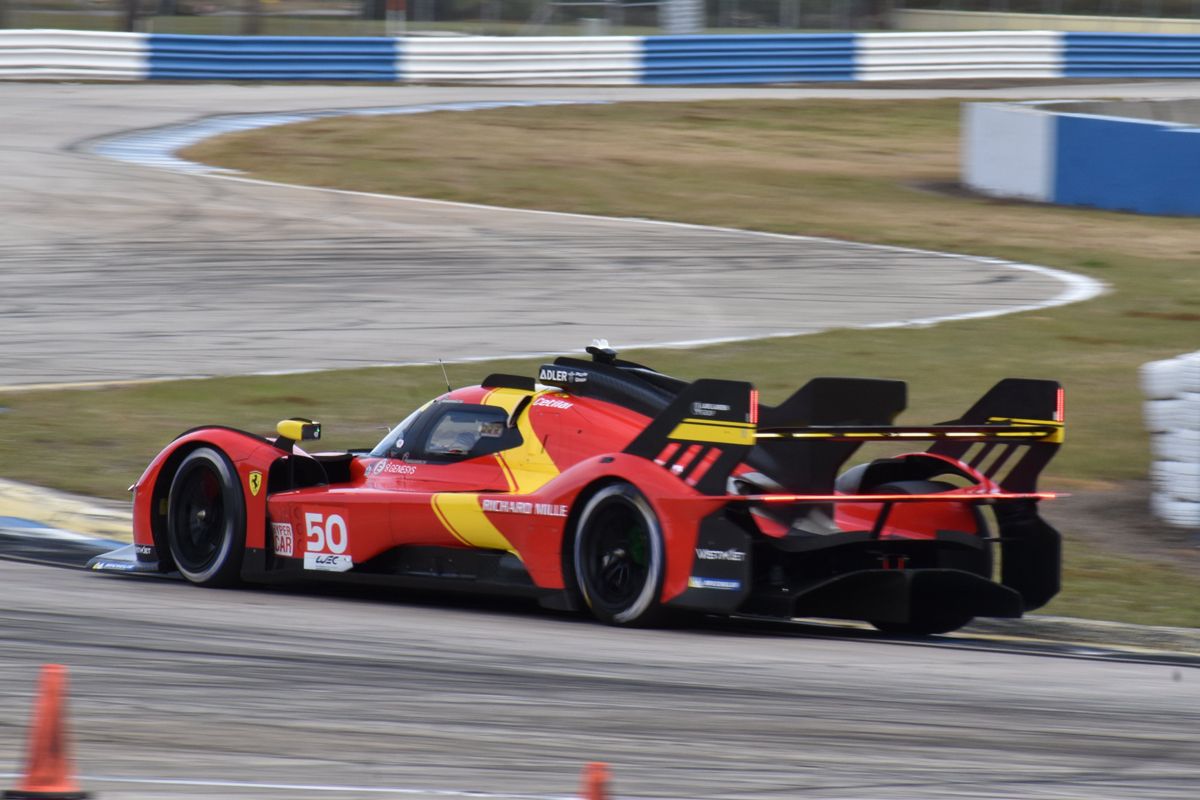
{"x": 1008, "y": 150}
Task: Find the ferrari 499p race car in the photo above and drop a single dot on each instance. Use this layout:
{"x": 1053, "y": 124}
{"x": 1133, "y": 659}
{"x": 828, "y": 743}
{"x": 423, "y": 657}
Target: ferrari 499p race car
{"x": 607, "y": 485}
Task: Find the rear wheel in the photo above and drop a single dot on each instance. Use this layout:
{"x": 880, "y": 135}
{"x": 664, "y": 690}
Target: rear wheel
{"x": 206, "y": 519}
{"x": 619, "y": 559}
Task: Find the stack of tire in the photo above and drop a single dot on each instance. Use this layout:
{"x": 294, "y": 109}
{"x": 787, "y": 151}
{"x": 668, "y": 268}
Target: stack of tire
{"x": 1172, "y": 413}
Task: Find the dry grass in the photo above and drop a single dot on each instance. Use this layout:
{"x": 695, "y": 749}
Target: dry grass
{"x": 818, "y": 167}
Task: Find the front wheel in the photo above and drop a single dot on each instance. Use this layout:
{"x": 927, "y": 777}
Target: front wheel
{"x": 206, "y": 519}
{"x": 619, "y": 559}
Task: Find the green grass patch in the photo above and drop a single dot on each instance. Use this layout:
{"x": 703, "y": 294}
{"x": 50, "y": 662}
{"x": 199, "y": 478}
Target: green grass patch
{"x": 873, "y": 171}
{"x": 1098, "y": 585}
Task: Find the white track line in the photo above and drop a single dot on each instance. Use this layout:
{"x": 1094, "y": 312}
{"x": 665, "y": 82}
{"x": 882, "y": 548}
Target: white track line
{"x": 157, "y": 147}
{"x": 311, "y": 787}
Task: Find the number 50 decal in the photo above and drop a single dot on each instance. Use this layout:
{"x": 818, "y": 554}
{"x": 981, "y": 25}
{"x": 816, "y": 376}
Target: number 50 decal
{"x": 325, "y": 533}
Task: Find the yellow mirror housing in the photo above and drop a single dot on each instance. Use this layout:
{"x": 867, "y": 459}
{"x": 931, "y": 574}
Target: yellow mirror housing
{"x": 299, "y": 430}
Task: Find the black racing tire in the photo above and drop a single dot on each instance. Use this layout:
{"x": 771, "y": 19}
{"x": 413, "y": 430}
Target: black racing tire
{"x": 619, "y": 557}
{"x": 206, "y": 519}
{"x": 943, "y": 621}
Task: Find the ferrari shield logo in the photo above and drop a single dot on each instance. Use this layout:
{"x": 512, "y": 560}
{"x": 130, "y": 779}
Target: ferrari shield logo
{"x": 255, "y": 483}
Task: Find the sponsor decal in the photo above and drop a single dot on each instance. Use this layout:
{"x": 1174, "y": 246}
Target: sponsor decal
{"x": 284, "y": 540}
{"x": 522, "y": 507}
{"x": 123, "y": 566}
{"x": 325, "y": 562}
{"x": 255, "y": 482}
{"x": 561, "y": 375}
{"x": 144, "y": 549}
{"x": 708, "y": 409}
{"x": 507, "y": 506}
{"x": 390, "y": 468}
{"x": 732, "y": 554}
{"x": 721, "y": 584}
{"x": 553, "y": 402}
{"x": 325, "y": 540}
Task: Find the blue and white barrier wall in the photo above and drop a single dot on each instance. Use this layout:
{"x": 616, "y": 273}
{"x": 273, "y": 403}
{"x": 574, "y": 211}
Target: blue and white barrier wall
{"x": 271, "y": 58}
{"x": 610, "y": 60}
{"x": 55, "y": 55}
{"x": 1045, "y": 152}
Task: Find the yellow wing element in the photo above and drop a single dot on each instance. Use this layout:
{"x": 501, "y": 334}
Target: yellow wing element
{"x": 717, "y": 432}
{"x": 996, "y": 430}
{"x": 1058, "y": 437}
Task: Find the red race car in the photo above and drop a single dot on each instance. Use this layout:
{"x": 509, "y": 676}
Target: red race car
{"x": 607, "y": 485}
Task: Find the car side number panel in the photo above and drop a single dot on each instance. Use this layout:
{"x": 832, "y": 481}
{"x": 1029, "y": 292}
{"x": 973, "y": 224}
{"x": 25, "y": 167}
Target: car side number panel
{"x": 326, "y": 537}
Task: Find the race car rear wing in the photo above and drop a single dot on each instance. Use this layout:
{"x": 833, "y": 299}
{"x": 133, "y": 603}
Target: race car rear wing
{"x": 712, "y": 426}
{"x": 1009, "y": 435}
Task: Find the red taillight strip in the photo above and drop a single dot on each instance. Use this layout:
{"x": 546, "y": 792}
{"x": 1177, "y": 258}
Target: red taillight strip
{"x": 979, "y": 497}
{"x": 1060, "y": 406}
{"x": 753, "y": 407}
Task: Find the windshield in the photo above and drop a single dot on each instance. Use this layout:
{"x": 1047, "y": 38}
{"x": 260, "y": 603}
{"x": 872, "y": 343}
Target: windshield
{"x": 391, "y": 444}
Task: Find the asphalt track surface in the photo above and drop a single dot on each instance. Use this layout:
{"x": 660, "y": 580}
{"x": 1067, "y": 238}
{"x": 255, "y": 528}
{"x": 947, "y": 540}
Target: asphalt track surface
{"x": 348, "y": 695}
{"x": 111, "y": 271}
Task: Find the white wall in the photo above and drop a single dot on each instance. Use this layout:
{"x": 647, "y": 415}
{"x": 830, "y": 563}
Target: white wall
{"x": 1008, "y": 150}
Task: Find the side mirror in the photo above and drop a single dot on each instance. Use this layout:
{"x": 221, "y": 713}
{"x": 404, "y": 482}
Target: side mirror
{"x": 296, "y": 429}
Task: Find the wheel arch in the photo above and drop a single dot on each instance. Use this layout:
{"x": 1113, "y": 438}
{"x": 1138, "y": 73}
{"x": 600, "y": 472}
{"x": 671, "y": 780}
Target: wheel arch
{"x": 246, "y": 452}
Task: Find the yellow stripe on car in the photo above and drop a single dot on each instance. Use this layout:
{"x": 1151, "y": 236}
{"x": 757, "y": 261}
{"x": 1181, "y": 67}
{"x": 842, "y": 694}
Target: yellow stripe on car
{"x": 463, "y": 516}
{"x": 528, "y": 467}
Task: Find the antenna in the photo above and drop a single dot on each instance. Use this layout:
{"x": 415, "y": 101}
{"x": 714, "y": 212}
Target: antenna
{"x": 444, "y": 375}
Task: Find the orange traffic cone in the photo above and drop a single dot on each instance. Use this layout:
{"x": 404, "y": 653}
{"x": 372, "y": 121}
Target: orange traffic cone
{"x": 595, "y": 781}
{"x": 48, "y": 769}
